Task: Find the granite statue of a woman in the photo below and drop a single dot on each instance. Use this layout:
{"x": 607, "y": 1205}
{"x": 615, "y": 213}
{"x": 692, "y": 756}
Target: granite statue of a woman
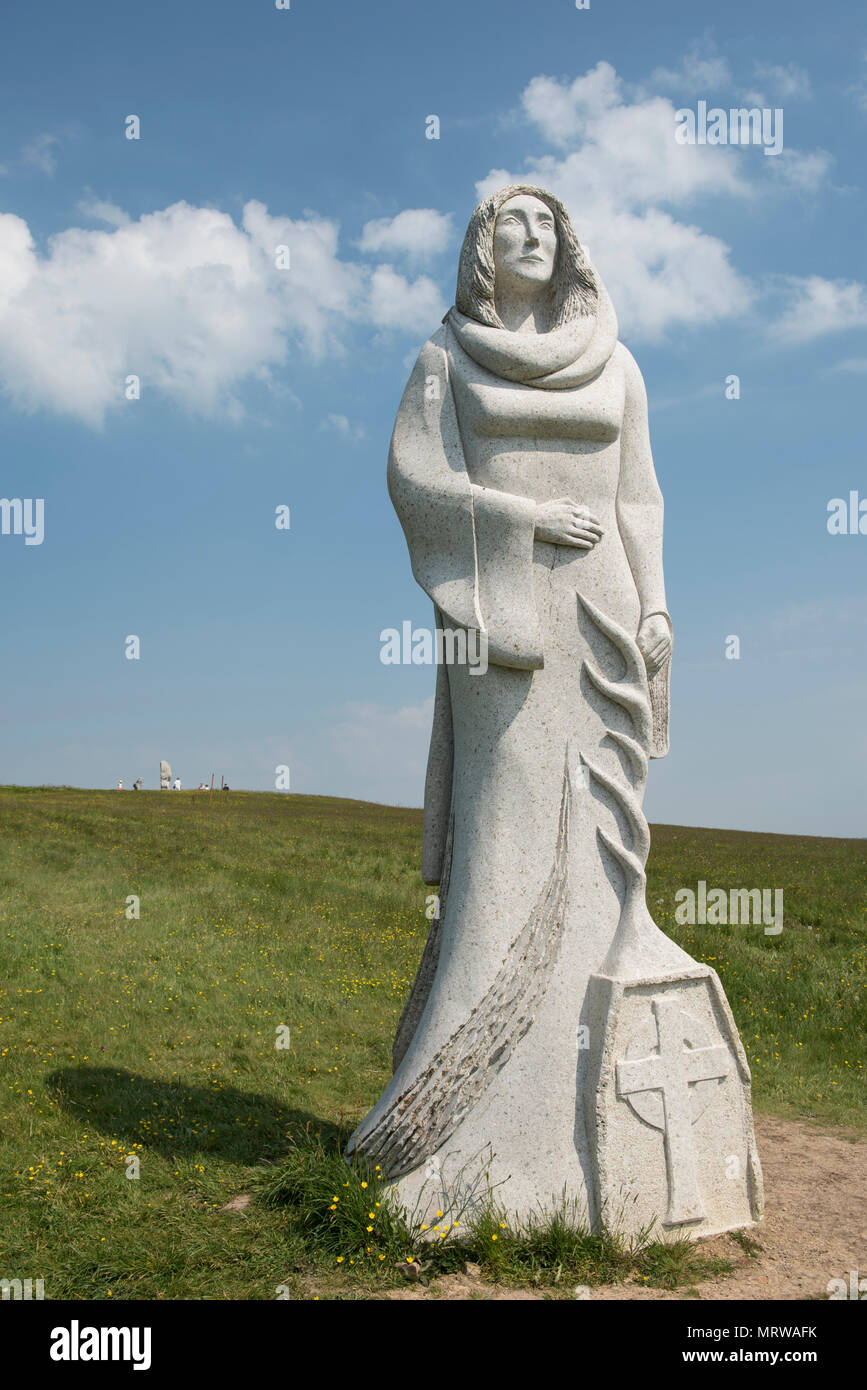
{"x": 556, "y": 1045}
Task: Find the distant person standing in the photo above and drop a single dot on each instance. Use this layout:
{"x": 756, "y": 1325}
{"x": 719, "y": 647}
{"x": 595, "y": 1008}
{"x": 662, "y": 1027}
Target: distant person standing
{"x": 176, "y": 785}
{"x": 137, "y": 784}
{"x": 120, "y": 786}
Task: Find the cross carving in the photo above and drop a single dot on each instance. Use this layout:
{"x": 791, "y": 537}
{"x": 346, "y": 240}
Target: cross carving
{"x": 673, "y": 1069}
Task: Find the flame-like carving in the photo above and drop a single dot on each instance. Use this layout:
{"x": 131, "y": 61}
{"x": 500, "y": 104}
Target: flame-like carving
{"x": 634, "y": 752}
{"x": 636, "y": 930}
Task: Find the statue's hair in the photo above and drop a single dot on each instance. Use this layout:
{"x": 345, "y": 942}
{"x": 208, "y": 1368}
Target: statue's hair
{"x": 572, "y": 290}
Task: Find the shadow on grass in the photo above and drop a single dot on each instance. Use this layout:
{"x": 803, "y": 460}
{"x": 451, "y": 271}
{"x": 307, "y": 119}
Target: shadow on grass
{"x": 178, "y": 1120}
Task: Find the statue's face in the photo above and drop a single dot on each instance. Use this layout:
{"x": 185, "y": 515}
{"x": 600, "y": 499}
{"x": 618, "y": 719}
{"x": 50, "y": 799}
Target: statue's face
{"x": 525, "y": 241}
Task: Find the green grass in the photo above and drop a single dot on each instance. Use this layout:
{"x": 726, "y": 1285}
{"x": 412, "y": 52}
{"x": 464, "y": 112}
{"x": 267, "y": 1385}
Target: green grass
{"x": 156, "y": 1036}
{"x": 343, "y": 1215}
{"x": 799, "y": 998}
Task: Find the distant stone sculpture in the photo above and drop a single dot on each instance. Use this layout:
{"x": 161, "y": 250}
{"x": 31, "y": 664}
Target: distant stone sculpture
{"x": 137, "y": 784}
{"x": 165, "y": 777}
{"x": 556, "y": 1043}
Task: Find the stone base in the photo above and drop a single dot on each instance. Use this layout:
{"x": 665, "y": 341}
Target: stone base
{"x": 668, "y": 1108}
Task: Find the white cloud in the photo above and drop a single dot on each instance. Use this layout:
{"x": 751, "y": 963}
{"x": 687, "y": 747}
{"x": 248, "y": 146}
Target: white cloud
{"x": 187, "y": 300}
{"x": 195, "y": 304}
{"x": 395, "y": 302}
{"x": 36, "y": 153}
{"x": 628, "y": 153}
{"x": 704, "y": 73}
{"x": 103, "y": 211}
{"x": 418, "y": 233}
{"x": 701, "y": 71}
{"x": 39, "y": 153}
{"x": 627, "y": 182}
{"x": 850, "y": 364}
{"x": 789, "y": 83}
{"x": 858, "y": 91}
{"x": 626, "y": 171}
{"x": 561, "y": 111}
{"x": 340, "y": 424}
{"x": 816, "y": 306}
{"x": 803, "y": 173}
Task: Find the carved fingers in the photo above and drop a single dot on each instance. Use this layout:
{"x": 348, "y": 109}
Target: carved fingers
{"x": 654, "y": 641}
{"x": 564, "y": 521}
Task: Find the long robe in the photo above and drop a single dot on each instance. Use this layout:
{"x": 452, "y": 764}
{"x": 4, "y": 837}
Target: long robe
{"x": 533, "y": 820}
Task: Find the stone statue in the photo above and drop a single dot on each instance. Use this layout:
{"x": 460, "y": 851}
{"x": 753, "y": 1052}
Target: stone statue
{"x": 165, "y": 777}
{"x": 556, "y": 1043}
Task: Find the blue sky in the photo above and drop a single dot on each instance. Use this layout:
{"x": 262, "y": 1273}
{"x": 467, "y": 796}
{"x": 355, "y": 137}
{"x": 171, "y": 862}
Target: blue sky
{"x": 262, "y": 387}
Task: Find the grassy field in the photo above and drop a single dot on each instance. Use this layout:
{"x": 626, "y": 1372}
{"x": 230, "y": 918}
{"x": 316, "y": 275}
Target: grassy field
{"x": 155, "y": 1035}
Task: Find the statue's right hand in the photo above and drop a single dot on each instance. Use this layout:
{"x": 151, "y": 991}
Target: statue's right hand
{"x": 567, "y": 522}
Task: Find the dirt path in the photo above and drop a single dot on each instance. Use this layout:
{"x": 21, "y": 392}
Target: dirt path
{"x": 815, "y": 1228}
